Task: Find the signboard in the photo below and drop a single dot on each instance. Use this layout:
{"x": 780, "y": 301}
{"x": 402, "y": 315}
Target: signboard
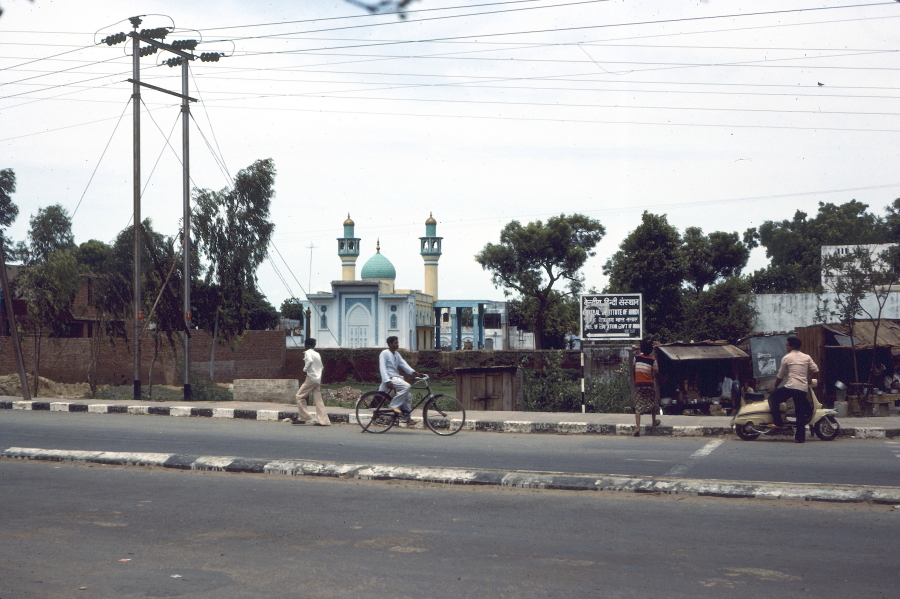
{"x": 766, "y": 354}
{"x": 613, "y": 316}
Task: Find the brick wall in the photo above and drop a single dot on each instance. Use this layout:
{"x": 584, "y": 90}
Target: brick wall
{"x": 261, "y": 354}
{"x": 362, "y": 364}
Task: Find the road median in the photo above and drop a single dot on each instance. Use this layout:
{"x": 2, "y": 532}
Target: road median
{"x": 462, "y": 476}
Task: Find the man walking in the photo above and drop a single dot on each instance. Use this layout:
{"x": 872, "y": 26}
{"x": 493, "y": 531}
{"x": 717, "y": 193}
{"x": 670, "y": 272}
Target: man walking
{"x": 312, "y": 366}
{"x": 389, "y": 363}
{"x": 796, "y": 369}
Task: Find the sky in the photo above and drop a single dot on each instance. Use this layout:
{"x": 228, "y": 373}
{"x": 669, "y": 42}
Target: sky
{"x": 720, "y": 114}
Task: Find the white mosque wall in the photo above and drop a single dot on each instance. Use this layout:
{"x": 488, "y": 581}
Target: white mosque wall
{"x": 787, "y": 311}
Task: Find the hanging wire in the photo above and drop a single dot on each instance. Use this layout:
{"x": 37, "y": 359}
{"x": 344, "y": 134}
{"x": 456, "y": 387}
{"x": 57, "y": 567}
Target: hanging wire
{"x": 101, "y": 158}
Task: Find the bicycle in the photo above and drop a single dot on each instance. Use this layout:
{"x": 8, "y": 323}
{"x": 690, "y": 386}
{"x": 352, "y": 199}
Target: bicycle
{"x": 443, "y": 414}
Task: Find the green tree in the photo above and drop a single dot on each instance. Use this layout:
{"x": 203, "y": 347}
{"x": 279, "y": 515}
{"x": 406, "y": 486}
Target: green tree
{"x": 712, "y": 257}
{"x": 50, "y": 232}
{"x": 561, "y": 318}
{"x": 531, "y": 259}
{"x": 232, "y": 229}
{"x": 91, "y": 255}
{"x": 853, "y": 277}
{"x": 721, "y": 312}
{"x": 50, "y": 278}
{"x": 261, "y": 315}
{"x": 292, "y": 308}
{"x": 794, "y": 246}
{"x": 8, "y": 209}
{"x": 650, "y": 262}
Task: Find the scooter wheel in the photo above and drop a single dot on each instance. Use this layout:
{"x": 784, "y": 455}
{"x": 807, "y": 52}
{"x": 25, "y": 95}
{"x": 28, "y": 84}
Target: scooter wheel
{"x": 827, "y": 428}
{"x": 746, "y": 431}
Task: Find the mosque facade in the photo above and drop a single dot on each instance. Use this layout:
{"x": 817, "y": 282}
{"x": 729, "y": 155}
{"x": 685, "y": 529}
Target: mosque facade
{"x": 365, "y": 311}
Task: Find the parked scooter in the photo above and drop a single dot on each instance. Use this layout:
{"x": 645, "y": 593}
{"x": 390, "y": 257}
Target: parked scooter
{"x": 751, "y": 420}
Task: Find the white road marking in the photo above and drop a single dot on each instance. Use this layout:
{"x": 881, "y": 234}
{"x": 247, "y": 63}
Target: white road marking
{"x": 694, "y": 458}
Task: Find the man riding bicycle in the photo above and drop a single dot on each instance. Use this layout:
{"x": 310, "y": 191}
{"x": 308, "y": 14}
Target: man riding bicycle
{"x": 390, "y": 362}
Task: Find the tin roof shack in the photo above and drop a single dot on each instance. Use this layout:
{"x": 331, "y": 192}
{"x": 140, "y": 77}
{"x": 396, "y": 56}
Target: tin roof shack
{"x": 830, "y": 346}
{"x": 696, "y": 377}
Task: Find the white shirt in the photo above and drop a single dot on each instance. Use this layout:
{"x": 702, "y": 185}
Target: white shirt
{"x": 389, "y": 364}
{"x": 312, "y": 365}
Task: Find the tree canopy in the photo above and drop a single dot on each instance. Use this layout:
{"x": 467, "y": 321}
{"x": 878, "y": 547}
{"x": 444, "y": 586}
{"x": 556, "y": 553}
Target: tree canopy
{"x": 8, "y": 209}
{"x": 794, "y": 246}
{"x": 531, "y": 259}
{"x": 650, "y": 262}
{"x": 690, "y": 285}
{"x": 232, "y": 229}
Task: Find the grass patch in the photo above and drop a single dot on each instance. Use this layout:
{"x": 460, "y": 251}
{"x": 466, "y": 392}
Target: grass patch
{"x": 201, "y": 390}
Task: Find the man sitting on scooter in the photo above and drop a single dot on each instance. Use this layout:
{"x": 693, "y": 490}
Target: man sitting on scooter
{"x": 796, "y": 369}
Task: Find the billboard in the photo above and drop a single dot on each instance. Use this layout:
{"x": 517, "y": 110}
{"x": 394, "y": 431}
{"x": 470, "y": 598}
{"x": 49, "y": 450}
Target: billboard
{"x": 617, "y": 316}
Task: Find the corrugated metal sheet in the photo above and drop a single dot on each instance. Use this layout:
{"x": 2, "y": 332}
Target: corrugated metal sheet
{"x": 701, "y": 351}
{"x": 864, "y": 331}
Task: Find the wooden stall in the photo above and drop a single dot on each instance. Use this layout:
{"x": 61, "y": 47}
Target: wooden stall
{"x": 694, "y": 378}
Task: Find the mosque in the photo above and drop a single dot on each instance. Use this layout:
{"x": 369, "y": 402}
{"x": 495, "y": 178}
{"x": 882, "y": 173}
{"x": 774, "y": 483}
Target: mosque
{"x": 364, "y": 312}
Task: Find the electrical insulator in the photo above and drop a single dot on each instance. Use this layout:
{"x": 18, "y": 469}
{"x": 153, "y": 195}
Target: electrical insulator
{"x": 157, "y": 33}
{"x": 116, "y": 38}
{"x": 147, "y": 51}
{"x": 173, "y": 62}
{"x": 184, "y": 44}
{"x": 210, "y": 57}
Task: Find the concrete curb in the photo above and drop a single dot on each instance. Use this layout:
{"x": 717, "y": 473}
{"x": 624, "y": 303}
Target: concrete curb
{"x": 481, "y": 425}
{"x": 459, "y": 476}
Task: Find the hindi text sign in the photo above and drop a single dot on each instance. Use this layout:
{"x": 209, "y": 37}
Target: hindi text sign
{"x": 611, "y": 316}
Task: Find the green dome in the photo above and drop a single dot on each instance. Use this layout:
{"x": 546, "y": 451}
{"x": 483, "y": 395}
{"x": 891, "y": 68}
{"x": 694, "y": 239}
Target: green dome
{"x": 378, "y": 268}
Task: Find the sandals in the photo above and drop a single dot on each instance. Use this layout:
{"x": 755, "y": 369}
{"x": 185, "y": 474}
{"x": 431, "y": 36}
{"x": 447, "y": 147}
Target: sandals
{"x": 656, "y": 422}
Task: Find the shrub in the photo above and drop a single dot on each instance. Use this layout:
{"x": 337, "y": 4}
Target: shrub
{"x": 611, "y": 394}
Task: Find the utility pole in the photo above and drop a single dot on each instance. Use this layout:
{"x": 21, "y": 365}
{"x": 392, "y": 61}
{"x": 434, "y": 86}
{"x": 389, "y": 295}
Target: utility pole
{"x": 136, "y": 284}
{"x": 186, "y": 244}
{"x": 11, "y": 317}
{"x": 182, "y": 49}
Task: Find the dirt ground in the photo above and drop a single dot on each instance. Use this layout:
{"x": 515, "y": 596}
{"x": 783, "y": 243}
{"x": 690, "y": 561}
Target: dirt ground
{"x": 9, "y": 386}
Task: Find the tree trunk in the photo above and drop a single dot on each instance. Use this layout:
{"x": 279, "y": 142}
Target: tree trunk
{"x": 152, "y": 363}
{"x": 37, "y": 362}
{"x": 212, "y": 350}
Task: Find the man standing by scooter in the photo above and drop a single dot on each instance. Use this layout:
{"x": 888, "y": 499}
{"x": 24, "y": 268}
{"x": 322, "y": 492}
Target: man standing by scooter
{"x": 796, "y": 370}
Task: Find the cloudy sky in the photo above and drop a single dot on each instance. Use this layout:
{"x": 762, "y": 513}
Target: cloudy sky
{"x": 720, "y": 114}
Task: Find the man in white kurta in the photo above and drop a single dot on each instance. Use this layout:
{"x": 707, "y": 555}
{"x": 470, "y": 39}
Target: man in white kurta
{"x": 390, "y": 362}
{"x": 312, "y": 366}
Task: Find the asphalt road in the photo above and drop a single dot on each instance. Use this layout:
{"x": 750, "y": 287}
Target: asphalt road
{"x": 843, "y": 461}
{"x": 117, "y": 533}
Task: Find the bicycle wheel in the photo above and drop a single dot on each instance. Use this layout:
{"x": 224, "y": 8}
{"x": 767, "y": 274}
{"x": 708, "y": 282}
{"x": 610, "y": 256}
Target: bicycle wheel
{"x": 444, "y": 415}
{"x": 373, "y": 412}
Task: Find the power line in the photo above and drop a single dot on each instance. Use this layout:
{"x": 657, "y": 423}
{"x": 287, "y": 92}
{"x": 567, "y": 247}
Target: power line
{"x": 102, "y": 154}
{"x": 411, "y": 21}
{"x": 564, "y": 120}
{"x": 556, "y": 30}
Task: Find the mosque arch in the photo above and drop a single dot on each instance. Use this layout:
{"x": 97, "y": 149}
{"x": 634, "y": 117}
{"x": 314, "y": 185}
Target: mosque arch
{"x": 359, "y": 326}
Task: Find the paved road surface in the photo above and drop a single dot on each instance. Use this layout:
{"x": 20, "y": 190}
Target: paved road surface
{"x": 843, "y": 461}
{"x": 66, "y": 530}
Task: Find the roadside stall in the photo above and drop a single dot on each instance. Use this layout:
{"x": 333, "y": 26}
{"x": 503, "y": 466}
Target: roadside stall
{"x": 697, "y": 378}
{"x": 833, "y": 349}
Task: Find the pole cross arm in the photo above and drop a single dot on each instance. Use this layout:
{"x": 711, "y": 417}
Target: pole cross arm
{"x": 162, "y": 46}
{"x": 165, "y": 91}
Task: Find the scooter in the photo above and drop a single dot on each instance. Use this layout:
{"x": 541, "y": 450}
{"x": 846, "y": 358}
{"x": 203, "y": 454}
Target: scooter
{"x": 751, "y": 420}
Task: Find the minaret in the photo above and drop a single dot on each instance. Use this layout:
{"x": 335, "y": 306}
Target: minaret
{"x": 431, "y": 253}
{"x": 348, "y": 250}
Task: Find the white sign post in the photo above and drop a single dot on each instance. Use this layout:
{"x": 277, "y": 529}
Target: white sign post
{"x": 612, "y": 317}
